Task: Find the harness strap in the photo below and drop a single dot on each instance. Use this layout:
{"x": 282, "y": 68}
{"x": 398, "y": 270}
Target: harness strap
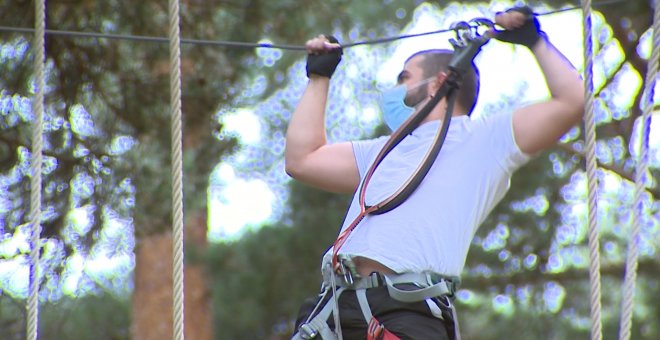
{"x": 364, "y": 303}
{"x": 318, "y": 325}
{"x": 376, "y": 331}
{"x": 441, "y": 288}
{"x": 335, "y": 307}
{"x": 430, "y": 284}
{"x": 457, "y": 330}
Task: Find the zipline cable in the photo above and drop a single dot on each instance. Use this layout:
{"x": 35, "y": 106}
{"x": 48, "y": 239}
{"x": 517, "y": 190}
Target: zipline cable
{"x": 177, "y": 172}
{"x": 35, "y": 170}
{"x": 630, "y": 277}
{"x": 238, "y": 44}
{"x": 592, "y": 172}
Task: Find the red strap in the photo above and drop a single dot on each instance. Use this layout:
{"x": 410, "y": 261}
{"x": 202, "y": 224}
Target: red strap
{"x": 376, "y": 331}
{"x": 341, "y": 239}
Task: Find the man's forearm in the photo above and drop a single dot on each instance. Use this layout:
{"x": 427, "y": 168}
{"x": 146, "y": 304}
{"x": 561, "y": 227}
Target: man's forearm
{"x": 306, "y": 131}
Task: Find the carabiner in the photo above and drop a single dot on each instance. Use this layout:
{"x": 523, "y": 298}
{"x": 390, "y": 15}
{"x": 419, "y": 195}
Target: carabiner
{"x": 479, "y": 24}
{"x": 483, "y": 22}
{"x": 463, "y": 32}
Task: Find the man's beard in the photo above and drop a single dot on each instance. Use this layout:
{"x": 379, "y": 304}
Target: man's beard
{"x": 416, "y": 96}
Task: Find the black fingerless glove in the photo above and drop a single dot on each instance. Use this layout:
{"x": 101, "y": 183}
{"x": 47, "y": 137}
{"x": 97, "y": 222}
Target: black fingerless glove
{"x": 527, "y": 34}
{"x": 324, "y": 64}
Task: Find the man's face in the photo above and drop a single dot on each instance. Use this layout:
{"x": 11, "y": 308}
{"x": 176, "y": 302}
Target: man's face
{"x": 413, "y": 77}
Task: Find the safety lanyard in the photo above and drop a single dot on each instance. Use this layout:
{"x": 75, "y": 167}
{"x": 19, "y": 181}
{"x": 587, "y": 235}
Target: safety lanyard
{"x": 449, "y": 84}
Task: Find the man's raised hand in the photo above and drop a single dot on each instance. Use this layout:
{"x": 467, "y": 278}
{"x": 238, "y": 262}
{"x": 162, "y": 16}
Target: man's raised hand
{"x": 323, "y": 56}
{"x": 521, "y": 27}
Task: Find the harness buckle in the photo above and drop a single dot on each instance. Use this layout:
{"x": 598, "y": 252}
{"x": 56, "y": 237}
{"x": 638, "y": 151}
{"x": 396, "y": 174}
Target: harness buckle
{"x": 307, "y": 332}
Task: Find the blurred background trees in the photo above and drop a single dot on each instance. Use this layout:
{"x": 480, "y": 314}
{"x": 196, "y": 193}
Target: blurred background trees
{"x": 106, "y": 244}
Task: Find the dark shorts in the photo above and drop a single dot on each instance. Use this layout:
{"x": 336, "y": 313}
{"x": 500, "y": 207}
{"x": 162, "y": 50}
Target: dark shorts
{"x": 405, "y": 320}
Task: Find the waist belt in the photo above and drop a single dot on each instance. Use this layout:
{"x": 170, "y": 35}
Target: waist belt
{"x": 430, "y": 285}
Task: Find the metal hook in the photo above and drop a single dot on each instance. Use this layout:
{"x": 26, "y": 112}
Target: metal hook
{"x": 483, "y": 22}
{"x": 463, "y": 32}
{"x": 482, "y": 26}
{"x": 470, "y": 38}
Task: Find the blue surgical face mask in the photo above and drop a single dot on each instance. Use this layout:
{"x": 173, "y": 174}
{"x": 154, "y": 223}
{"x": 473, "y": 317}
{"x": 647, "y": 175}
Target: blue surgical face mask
{"x": 394, "y": 110}
{"x": 393, "y": 106}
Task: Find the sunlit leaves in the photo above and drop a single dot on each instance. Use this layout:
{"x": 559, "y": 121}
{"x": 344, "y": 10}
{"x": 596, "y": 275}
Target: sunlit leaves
{"x": 81, "y": 121}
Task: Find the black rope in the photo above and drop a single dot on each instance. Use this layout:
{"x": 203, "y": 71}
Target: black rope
{"x": 144, "y": 38}
{"x": 238, "y": 44}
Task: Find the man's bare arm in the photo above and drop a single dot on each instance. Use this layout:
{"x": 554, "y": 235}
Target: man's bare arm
{"x": 540, "y": 125}
{"x": 308, "y": 156}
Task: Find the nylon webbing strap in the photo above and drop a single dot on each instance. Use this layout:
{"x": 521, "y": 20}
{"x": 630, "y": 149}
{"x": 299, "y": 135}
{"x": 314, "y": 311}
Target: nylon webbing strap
{"x": 361, "y": 295}
{"x": 318, "y": 325}
{"x": 441, "y": 288}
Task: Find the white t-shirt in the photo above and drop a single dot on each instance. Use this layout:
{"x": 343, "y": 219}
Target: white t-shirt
{"x": 432, "y": 229}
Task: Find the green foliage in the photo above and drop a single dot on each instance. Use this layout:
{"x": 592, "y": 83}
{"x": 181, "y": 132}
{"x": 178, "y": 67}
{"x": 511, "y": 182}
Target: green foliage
{"x": 261, "y": 279}
{"x": 100, "y": 316}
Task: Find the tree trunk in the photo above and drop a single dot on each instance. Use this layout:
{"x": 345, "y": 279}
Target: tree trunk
{"x": 152, "y": 295}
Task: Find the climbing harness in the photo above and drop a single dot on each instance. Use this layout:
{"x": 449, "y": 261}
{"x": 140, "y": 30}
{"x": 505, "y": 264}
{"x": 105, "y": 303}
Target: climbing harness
{"x": 341, "y": 274}
{"x": 437, "y": 290}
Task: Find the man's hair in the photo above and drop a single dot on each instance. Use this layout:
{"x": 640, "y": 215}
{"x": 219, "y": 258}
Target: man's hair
{"x": 437, "y": 60}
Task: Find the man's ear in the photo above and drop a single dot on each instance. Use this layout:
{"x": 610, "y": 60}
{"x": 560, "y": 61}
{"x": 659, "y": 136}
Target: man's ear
{"x": 437, "y": 83}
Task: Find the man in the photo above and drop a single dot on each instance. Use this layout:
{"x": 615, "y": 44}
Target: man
{"x": 430, "y": 232}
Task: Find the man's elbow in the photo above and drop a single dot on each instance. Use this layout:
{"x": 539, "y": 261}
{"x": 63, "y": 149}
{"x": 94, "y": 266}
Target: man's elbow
{"x": 292, "y": 167}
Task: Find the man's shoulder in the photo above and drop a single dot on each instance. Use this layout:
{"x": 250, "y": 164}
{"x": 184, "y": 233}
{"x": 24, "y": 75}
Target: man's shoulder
{"x": 494, "y": 121}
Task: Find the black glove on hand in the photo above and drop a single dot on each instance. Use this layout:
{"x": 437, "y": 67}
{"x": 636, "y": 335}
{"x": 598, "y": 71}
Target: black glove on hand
{"x": 324, "y": 64}
{"x": 527, "y": 34}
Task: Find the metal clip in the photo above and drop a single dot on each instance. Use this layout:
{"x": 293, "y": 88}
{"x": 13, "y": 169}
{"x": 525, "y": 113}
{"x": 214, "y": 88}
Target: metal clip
{"x": 483, "y": 28}
{"x": 466, "y": 32}
{"x": 482, "y": 22}
{"x": 307, "y": 332}
{"x": 463, "y": 33}
{"x": 348, "y": 277}
{"x": 348, "y": 269}
{"x": 468, "y": 42}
